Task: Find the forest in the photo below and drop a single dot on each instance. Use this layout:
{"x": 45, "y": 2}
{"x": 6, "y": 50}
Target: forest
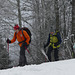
{"x": 39, "y": 16}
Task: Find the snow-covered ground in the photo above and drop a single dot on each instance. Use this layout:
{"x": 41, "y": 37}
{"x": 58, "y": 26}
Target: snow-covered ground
{"x": 66, "y": 67}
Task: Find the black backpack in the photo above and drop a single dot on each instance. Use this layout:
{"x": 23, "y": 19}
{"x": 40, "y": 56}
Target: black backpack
{"x": 28, "y": 31}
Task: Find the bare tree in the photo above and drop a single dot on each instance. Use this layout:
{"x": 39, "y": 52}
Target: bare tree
{"x": 57, "y": 14}
{"x": 73, "y": 17}
{"x": 4, "y": 56}
{"x": 19, "y": 13}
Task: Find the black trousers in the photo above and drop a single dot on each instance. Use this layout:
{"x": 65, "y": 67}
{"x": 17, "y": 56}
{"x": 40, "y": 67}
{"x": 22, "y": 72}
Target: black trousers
{"x": 55, "y": 53}
{"x": 22, "y": 59}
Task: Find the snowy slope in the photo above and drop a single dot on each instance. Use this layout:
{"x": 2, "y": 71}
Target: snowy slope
{"x": 66, "y": 67}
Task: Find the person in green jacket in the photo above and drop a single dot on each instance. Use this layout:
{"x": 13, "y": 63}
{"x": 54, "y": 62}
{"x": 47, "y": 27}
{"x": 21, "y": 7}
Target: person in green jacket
{"x": 53, "y": 43}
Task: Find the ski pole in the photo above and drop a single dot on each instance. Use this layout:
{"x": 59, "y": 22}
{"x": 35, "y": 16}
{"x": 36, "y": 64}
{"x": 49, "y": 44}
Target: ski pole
{"x": 27, "y": 50}
{"x": 46, "y": 57}
{"x": 44, "y": 53}
{"x": 29, "y": 53}
{"x": 8, "y": 46}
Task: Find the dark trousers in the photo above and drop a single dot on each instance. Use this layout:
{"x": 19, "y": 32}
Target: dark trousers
{"x": 22, "y": 59}
{"x": 55, "y": 53}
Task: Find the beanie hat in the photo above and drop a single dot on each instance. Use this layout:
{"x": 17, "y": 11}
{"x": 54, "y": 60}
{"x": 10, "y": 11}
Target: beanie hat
{"x": 16, "y": 27}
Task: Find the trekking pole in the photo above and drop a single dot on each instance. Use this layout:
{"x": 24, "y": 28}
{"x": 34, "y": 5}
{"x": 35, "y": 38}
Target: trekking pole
{"x": 43, "y": 50}
{"x": 8, "y": 46}
{"x": 46, "y": 57}
{"x": 29, "y": 53}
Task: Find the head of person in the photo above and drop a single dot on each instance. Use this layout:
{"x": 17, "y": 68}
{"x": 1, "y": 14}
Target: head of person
{"x": 51, "y": 31}
{"x": 16, "y": 27}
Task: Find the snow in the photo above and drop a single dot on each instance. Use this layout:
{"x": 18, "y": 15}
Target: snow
{"x": 64, "y": 67}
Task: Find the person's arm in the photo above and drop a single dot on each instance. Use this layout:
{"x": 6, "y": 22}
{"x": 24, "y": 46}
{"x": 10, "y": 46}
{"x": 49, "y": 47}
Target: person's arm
{"x": 26, "y": 36}
{"x": 14, "y": 38}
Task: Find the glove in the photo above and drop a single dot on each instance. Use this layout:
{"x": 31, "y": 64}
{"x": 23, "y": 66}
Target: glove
{"x": 8, "y": 41}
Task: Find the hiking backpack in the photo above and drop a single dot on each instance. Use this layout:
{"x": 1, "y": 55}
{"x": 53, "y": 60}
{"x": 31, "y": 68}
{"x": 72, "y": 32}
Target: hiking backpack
{"x": 59, "y": 37}
{"x": 28, "y": 31}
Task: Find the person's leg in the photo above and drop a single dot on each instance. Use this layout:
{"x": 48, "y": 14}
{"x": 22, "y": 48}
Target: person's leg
{"x": 56, "y": 54}
{"x": 49, "y": 52}
{"x": 22, "y": 60}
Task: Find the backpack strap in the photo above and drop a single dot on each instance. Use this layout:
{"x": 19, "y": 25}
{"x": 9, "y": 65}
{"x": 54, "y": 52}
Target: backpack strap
{"x": 23, "y": 35}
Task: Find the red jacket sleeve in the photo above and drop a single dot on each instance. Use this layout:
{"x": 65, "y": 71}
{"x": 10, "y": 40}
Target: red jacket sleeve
{"x": 14, "y": 38}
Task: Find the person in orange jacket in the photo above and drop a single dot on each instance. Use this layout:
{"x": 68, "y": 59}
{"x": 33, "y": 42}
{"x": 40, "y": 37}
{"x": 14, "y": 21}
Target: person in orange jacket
{"x": 23, "y": 43}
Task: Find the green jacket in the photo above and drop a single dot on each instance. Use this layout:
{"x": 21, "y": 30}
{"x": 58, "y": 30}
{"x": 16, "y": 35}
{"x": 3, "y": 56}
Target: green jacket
{"x": 54, "y": 40}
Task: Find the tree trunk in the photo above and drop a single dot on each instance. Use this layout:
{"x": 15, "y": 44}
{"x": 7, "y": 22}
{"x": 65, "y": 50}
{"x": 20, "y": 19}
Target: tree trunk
{"x": 73, "y": 17}
{"x": 19, "y": 13}
{"x": 64, "y": 21}
{"x": 57, "y": 14}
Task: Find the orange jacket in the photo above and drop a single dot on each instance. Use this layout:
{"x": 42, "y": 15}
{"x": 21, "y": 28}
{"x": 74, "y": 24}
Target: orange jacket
{"x": 19, "y": 36}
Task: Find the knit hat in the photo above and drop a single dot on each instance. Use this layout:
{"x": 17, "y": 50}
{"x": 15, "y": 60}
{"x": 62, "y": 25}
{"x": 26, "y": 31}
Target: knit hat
{"x": 16, "y": 27}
